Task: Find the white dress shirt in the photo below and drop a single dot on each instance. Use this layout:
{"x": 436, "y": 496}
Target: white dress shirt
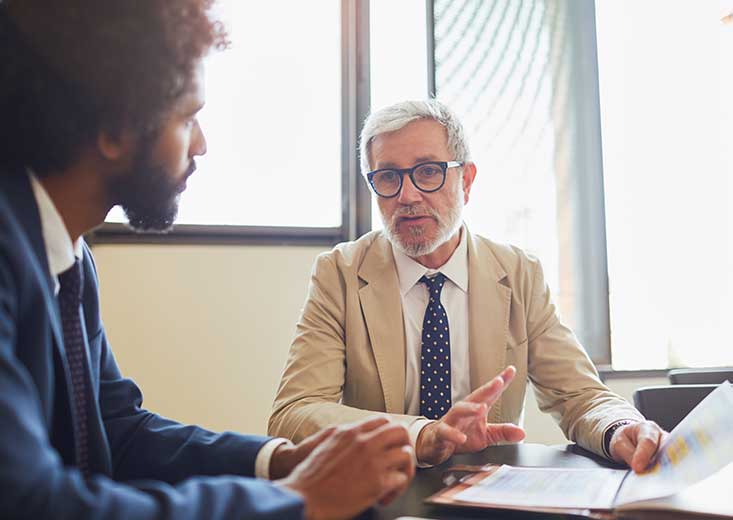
{"x": 454, "y": 298}
{"x": 61, "y": 256}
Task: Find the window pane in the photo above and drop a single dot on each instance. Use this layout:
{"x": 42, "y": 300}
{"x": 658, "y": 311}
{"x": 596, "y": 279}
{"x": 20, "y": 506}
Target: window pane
{"x": 272, "y": 120}
{"x": 398, "y": 71}
{"x": 665, "y": 82}
{"x": 513, "y": 71}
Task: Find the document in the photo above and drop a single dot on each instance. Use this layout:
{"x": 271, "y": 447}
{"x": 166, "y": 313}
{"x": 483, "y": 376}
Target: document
{"x": 700, "y": 446}
{"x": 547, "y": 487}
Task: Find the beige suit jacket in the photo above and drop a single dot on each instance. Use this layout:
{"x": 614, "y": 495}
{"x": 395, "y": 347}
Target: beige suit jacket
{"x": 347, "y": 360}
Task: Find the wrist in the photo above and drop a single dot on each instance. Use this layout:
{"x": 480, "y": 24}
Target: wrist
{"x": 422, "y": 442}
{"x": 280, "y": 461}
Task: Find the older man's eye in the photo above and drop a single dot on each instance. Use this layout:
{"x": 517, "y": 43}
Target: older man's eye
{"x": 429, "y": 170}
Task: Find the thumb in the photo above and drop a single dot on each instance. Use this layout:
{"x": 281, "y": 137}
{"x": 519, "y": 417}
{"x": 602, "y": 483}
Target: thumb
{"x": 506, "y": 432}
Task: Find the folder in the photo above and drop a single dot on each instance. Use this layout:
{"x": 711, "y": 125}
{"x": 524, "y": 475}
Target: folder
{"x": 695, "y": 452}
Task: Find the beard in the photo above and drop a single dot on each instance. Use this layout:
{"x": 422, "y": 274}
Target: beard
{"x": 417, "y": 243}
{"x": 148, "y": 193}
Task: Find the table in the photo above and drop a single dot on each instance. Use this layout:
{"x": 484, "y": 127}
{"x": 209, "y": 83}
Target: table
{"x": 428, "y": 481}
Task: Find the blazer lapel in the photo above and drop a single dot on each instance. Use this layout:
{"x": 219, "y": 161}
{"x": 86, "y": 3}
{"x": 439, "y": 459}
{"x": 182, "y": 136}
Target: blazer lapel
{"x": 20, "y": 196}
{"x": 382, "y": 308}
{"x": 489, "y": 302}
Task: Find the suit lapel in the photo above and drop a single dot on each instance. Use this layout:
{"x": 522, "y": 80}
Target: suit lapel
{"x": 23, "y": 202}
{"x": 20, "y": 197}
{"x": 489, "y": 302}
{"x": 382, "y": 308}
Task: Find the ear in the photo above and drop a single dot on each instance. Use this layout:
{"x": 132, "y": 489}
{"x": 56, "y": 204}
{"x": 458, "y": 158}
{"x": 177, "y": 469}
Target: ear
{"x": 469, "y": 174}
{"x": 115, "y": 146}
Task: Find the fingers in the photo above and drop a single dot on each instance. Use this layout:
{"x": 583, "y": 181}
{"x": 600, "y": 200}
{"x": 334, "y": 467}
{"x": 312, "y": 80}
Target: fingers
{"x": 622, "y": 449}
{"x": 462, "y": 409}
{"x": 647, "y": 443}
{"x": 505, "y": 432}
{"x": 400, "y": 460}
{"x": 314, "y": 440}
{"x": 490, "y": 392}
{"x": 387, "y": 436}
{"x": 369, "y": 424}
{"x": 447, "y": 433}
{"x": 393, "y": 483}
{"x": 346, "y": 437}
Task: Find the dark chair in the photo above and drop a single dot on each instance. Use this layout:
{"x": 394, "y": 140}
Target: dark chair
{"x": 668, "y": 405}
{"x": 700, "y": 376}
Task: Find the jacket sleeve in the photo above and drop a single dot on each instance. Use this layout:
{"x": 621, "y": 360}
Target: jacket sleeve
{"x": 35, "y": 483}
{"x": 565, "y": 380}
{"x": 311, "y": 389}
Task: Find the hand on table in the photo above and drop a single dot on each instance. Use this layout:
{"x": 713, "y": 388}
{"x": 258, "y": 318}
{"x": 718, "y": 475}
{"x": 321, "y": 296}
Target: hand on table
{"x": 287, "y": 456}
{"x": 636, "y": 444}
{"x": 464, "y": 428}
{"x": 352, "y": 467}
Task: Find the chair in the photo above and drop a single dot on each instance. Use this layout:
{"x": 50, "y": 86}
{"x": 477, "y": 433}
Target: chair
{"x": 668, "y": 405}
{"x": 700, "y": 376}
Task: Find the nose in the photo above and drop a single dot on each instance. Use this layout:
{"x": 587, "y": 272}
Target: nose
{"x": 198, "y": 141}
{"x": 409, "y": 194}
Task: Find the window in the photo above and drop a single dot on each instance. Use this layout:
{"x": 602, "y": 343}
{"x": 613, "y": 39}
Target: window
{"x": 519, "y": 76}
{"x": 666, "y": 81}
{"x": 274, "y": 123}
{"x": 398, "y": 72}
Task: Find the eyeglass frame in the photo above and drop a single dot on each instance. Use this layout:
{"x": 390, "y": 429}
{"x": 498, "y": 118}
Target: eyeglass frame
{"x": 444, "y": 165}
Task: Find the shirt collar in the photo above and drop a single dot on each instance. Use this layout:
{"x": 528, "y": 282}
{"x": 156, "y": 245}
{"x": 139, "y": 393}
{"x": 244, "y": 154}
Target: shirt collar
{"x": 60, "y": 251}
{"x": 455, "y": 269}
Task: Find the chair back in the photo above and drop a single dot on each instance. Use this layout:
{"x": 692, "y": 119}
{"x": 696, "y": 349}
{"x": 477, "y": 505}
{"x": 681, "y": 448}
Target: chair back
{"x": 700, "y": 376}
{"x": 668, "y": 405}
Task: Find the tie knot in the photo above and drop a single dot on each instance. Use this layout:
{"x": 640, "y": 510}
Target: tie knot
{"x": 71, "y": 282}
{"x": 434, "y": 283}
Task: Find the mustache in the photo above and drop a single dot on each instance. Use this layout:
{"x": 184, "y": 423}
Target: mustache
{"x": 191, "y": 168}
{"x": 415, "y": 210}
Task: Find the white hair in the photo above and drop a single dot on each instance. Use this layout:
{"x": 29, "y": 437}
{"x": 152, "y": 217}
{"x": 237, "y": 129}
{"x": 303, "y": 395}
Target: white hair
{"x": 394, "y": 117}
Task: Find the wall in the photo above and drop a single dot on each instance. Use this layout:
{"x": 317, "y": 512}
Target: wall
{"x": 205, "y": 330}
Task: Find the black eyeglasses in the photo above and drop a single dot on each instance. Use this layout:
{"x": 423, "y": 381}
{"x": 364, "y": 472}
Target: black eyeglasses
{"x": 427, "y": 177}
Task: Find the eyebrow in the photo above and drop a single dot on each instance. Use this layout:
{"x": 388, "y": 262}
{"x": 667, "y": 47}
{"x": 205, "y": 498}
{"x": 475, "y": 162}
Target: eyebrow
{"x": 418, "y": 160}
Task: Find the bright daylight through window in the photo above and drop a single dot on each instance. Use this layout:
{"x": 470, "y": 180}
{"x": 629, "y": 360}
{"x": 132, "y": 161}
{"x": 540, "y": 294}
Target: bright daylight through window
{"x": 666, "y": 83}
{"x": 272, "y": 120}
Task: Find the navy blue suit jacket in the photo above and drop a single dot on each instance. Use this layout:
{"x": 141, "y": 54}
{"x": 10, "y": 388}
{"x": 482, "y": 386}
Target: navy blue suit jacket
{"x": 145, "y": 466}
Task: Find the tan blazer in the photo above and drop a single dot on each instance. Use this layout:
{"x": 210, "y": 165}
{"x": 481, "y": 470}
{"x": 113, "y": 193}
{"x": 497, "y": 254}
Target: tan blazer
{"x": 348, "y": 356}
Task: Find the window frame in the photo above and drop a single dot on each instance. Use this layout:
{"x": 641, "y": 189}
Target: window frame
{"x": 355, "y": 196}
{"x": 588, "y": 189}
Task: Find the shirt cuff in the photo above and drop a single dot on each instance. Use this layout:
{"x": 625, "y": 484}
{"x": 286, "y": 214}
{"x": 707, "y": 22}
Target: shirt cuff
{"x": 608, "y": 434}
{"x": 262, "y": 461}
{"x": 414, "y": 432}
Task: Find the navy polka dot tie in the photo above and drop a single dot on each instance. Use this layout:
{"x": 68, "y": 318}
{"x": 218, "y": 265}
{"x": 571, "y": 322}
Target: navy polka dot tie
{"x": 71, "y": 282}
{"x": 435, "y": 397}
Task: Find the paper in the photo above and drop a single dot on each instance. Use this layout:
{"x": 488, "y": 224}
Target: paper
{"x": 546, "y": 487}
{"x": 708, "y": 497}
{"x": 698, "y": 447}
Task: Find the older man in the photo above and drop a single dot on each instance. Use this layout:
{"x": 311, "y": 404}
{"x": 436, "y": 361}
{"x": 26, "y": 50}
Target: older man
{"x": 412, "y": 321}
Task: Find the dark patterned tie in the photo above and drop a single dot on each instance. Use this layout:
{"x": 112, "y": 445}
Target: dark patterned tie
{"x": 70, "y": 294}
{"x": 435, "y": 388}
